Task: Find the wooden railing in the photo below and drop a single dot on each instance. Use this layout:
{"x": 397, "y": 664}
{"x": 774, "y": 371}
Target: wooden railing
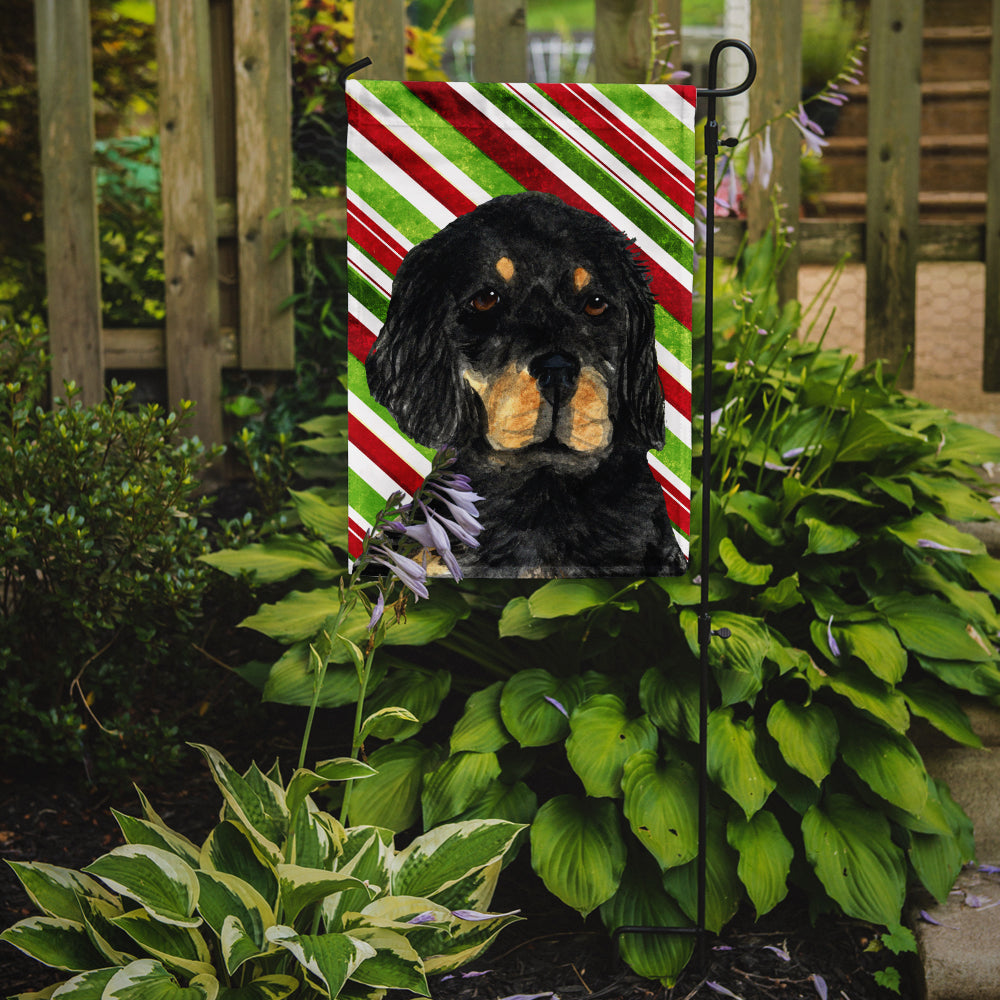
{"x": 226, "y": 160}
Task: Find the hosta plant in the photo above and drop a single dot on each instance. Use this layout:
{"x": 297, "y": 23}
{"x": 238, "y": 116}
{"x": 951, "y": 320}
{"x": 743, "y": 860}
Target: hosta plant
{"x": 279, "y": 900}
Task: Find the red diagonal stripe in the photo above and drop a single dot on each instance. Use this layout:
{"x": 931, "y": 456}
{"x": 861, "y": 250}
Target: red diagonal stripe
{"x": 675, "y": 393}
{"x": 383, "y": 456}
{"x": 359, "y": 338}
{"x": 364, "y": 232}
{"x": 534, "y": 175}
{"x": 628, "y": 144}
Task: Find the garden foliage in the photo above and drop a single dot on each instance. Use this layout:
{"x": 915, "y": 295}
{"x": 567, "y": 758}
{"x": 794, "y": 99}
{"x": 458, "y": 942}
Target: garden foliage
{"x": 854, "y": 603}
{"x": 100, "y": 578}
{"x": 280, "y": 899}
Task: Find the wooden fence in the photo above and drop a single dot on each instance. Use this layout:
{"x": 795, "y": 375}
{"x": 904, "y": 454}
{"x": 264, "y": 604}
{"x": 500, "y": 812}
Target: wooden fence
{"x": 226, "y": 160}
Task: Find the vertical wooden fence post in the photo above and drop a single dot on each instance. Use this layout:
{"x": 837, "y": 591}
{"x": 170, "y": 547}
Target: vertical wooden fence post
{"x": 190, "y": 251}
{"x": 991, "y": 333}
{"x": 72, "y": 256}
{"x": 380, "y": 34}
{"x": 622, "y": 40}
{"x": 776, "y": 35}
{"x": 501, "y": 40}
{"x": 893, "y": 183}
{"x": 261, "y": 57}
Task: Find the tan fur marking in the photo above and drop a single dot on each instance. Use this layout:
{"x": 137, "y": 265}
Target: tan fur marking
{"x": 506, "y": 268}
{"x": 584, "y": 425}
{"x": 513, "y": 408}
{"x": 581, "y": 278}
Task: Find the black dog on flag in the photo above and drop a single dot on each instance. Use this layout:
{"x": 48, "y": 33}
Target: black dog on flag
{"x": 522, "y": 335}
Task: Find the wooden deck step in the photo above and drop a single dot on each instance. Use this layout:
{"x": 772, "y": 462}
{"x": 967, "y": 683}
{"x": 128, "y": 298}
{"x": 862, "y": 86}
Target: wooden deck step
{"x": 957, "y": 206}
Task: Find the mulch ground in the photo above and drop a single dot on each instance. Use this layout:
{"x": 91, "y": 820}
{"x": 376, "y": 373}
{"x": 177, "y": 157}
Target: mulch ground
{"x": 550, "y": 953}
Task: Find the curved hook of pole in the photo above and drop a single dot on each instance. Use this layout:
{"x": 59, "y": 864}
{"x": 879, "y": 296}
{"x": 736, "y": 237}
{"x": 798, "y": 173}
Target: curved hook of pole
{"x": 713, "y": 69}
{"x": 348, "y": 70}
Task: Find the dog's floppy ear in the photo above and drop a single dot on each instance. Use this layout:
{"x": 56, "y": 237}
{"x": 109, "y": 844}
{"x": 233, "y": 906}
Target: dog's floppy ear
{"x": 640, "y": 403}
{"x": 412, "y": 369}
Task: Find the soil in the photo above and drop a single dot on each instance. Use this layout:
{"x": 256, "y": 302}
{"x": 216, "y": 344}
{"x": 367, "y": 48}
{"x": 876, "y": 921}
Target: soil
{"x": 550, "y": 953}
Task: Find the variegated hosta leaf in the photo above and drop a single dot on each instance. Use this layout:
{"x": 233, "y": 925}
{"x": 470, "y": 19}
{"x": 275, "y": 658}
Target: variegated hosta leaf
{"x": 224, "y": 898}
{"x": 177, "y": 947}
{"x": 475, "y": 891}
{"x": 765, "y": 858}
{"x": 441, "y": 857}
{"x": 395, "y": 964}
{"x": 578, "y": 851}
{"x": 732, "y": 760}
{"x": 807, "y": 736}
{"x": 56, "y": 891}
{"x": 367, "y": 854}
{"x": 661, "y": 800}
{"x": 147, "y": 979}
{"x": 274, "y": 987}
{"x": 116, "y": 946}
{"x": 256, "y": 801}
{"x": 141, "y": 831}
{"x": 642, "y": 902}
{"x": 304, "y": 782}
{"x": 54, "y": 941}
{"x": 158, "y": 880}
{"x": 86, "y": 986}
{"x": 315, "y": 839}
{"x": 328, "y": 959}
{"x": 850, "y": 847}
{"x": 602, "y": 737}
{"x": 229, "y": 848}
{"x": 300, "y": 887}
{"x": 481, "y": 727}
{"x": 468, "y": 939}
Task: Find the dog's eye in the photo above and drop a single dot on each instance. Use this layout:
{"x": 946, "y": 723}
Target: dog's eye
{"x": 596, "y": 305}
{"x": 486, "y": 300}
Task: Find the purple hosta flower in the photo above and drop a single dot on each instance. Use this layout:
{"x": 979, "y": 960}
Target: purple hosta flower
{"x": 727, "y": 197}
{"x": 410, "y": 573}
{"x": 465, "y": 975}
{"x": 427, "y": 917}
{"x": 989, "y": 869}
{"x": 475, "y": 915}
{"x": 927, "y": 543}
{"x": 558, "y": 705}
{"x": 811, "y": 132}
{"x": 834, "y": 648}
{"x": 377, "y": 612}
{"x": 820, "y": 984}
{"x": 719, "y": 988}
{"x": 780, "y": 952}
{"x": 760, "y": 166}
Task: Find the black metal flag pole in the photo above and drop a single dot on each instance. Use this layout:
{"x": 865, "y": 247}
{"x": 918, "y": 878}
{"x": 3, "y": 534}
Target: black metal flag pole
{"x": 705, "y": 631}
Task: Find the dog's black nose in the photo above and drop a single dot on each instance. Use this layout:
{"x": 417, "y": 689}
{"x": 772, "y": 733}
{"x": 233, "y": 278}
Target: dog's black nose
{"x": 554, "y": 371}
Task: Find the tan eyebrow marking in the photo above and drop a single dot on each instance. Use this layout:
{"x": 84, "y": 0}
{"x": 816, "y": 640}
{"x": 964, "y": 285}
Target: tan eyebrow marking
{"x": 581, "y": 278}
{"x": 506, "y": 268}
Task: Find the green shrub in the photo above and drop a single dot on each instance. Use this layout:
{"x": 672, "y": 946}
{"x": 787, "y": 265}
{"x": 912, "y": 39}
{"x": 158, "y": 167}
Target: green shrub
{"x": 99, "y": 546}
{"x": 280, "y": 899}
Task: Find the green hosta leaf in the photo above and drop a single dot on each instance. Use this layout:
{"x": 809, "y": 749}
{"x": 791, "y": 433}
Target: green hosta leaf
{"x": 304, "y": 782}
{"x": 850, "y": 848}
{"x": 56, "y": 891}
{"x": 260, "y": 806}
{"x": 516, "y": 803}
{"x": 326, "y": 520}
{"x": 159, "y": 881}
{"x": 141, "y": 831}
{"x": 180, "y": 948}
{"x": 888, "y": 763}
{"x": 760, "y": 512}
{"x": 864, "y": 691}
{"x": 937, "y": 859}
{"x": 395, "y": 964}
{"x": 578, "y": 851}
{"x": 54, "y": 941}
{"x": 986, "y": 572}
{"x": 292, "y": 679}
{"x": 723, "y": 889}
{"x": 765, "y": 858}
{"x": 391, "y": 798}
{"x": 387, "y": 723}
{"x": 893, "y": 488}
{"x": 301, "y": 887}
{"x": 330, "y": 959}
{"x": 517, "y": 620}
{"x": 456, "y": 784}
{"x": 641, "y": 901}
{"x": 783, "y": 595}
{"x": 869, "y": 436}
{"x": 941, "y": 709}
{"x": 931, "y": 628}
{"x": 559, "y": 598}
{"x": 876, "y": 646}
{"x": 417, "y": 690}
{"x": 957, "y": 501}
{"x": 738, "y": 569}
{"x": 732, "y": 760}
{"x": 274, "y": 987}
{"x": 671, "y": 699}
{"x": 225, "y": 897}
{"x": 975, "y": 605}
{"x": 280, "y": 557}
{"x": 738, "y": 661}
{"x": 87, "y": 986}
{"x": 481, "y": 728}
{"x": 661, "y": 799}
{"x": 147, "y": 979}
{"x": 828, "y": 539}
{"x": 602, "y": 738}
{"x": 976, "y": 678}
{"x": 230, "y": 849}
{"x": 927, "y": 528}
{"x": 438, "y": 859}
{"x": 807, "y": 736}
{"x": 530, "y": 706}
{"x": 965, "y": 443}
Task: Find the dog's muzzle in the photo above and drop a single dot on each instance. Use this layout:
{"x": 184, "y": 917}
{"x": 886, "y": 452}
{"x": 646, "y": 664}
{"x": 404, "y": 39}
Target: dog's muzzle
{"x": 555, "y": 373}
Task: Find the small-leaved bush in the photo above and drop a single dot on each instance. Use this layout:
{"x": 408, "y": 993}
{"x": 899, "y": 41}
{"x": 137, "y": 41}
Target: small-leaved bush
{"x": 855, "y": 604}
{"x": 100, "y": 583}
{"x": 279, "y": 899}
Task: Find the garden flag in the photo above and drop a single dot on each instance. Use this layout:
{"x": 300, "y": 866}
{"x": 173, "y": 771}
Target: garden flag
{"x": 520, "y": 265}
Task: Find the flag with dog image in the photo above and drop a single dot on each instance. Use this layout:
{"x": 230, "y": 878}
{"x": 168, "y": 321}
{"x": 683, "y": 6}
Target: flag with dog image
{"x": 520, "y": 263}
